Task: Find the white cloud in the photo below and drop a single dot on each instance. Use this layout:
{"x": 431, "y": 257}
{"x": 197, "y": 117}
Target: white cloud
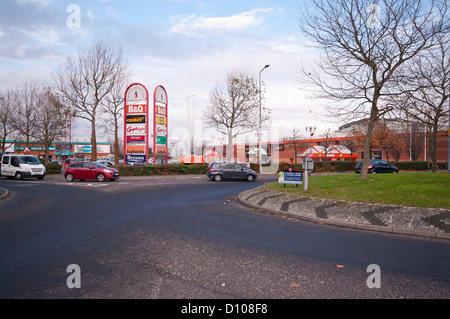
{"x": 193, "y": 25}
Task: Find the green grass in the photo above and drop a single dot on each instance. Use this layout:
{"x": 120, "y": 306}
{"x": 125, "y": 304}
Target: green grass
{"x": 407, "y": 189}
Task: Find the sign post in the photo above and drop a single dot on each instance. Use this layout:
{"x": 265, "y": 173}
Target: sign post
{"x": 160, "y": 123}
{"x": 136, "y": 125}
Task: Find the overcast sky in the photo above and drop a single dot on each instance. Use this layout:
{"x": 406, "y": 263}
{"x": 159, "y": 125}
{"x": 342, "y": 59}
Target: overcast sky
{"x": 185, "y": 45}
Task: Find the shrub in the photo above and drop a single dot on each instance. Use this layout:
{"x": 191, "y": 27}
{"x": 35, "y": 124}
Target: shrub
{"x": 162, "y": 169}
{"x": 53, "y": 168}
{"x": 411, "y": 165}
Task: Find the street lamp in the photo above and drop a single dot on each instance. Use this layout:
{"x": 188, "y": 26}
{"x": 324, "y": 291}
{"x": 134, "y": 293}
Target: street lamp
{"x": 311, "y": 133}
{"x": 260, "y": 120}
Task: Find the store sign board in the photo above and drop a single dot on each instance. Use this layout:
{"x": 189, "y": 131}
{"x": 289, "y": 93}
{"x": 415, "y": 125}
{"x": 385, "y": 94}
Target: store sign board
{"x": 160, "y": 122}
{"x": 137, "y": 109}
{"x": 136, "y": 120}
{"x": 136, "y": 159}
{"x": 135, "y": 130}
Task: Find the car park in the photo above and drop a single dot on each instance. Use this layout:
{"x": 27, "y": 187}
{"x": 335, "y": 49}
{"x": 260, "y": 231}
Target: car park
{"x": 90, "y": 171}
{"x": 377, "y": 166}
{"x": 218, "y": 171}
{"x": 20, "y": 166}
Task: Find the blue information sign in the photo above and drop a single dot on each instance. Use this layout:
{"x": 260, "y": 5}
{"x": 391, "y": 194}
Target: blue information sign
{"x": 290, "y": 177}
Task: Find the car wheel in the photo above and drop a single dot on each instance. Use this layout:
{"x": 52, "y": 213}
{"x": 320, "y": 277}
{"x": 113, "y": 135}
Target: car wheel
{"x": 250, "y": 178}
{"x": 69, "y": 178}
{"x": 40, "y": 178}
{"x": 218, "y": 178}
{"x": 101, "y": 177}
{"x": 19, "y": 176}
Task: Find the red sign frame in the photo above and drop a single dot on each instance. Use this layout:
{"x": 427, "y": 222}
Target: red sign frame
{"x": 160, "y": 106}
{"x": 138, "y": 97}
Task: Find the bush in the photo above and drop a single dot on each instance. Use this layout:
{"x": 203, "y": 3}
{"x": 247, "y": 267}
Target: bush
{"x": 53, "y": 168}
{"x": 411, "y": 165}
{"x": 162, "y": 169}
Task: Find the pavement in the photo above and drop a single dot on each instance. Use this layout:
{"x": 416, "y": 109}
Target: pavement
{"x": 424, "y": 222}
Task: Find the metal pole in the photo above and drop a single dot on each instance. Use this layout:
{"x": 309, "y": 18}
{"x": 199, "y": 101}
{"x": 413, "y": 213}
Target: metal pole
{"x": 260, "y": 121}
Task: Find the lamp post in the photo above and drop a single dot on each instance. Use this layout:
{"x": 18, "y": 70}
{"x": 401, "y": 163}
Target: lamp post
{"x": 311, "y": 133}
{"x": 260, "y": 120}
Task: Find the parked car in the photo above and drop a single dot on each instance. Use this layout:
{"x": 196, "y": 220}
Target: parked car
{"x": 20, "y": 166}
{"x": 91, "y": 171}
{"x": 225, "y": 170}
{"x": 377, "y": 166}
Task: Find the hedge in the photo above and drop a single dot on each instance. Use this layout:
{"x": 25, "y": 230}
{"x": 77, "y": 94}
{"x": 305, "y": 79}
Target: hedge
{"x": 335, "y": 166}
{"x": 53, "y": 168}
{"x": 162, "y": 169}
{"x": 195, "y": 169}
{"x": 347, "y": 166}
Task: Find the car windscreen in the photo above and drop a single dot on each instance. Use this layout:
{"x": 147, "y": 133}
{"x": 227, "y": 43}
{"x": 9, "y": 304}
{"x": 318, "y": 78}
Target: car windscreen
{"x": 28, "y": 160}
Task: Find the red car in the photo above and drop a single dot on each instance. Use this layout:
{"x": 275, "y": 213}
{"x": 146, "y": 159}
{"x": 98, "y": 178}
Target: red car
{"x": 90, "y": 170}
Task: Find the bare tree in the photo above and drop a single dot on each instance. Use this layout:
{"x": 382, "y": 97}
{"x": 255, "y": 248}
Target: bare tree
{"x": 7, "y": 120}
{"x": 85, "y": 80}
{"x": 327, "y": 135}
{"x": 365, "y": 45}
{"x": 26, "y": 105}
{"x": 295, "y": 141}
{"x": 351, "y": 144}
{"x": 233, "y": 108}
{"x": 113, "y": 106}
{"x": 51, "y": 114}
{"x": 426, "y": 91}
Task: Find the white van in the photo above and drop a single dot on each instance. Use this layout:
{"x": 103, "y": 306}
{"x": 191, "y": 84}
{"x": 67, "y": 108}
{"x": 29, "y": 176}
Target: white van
{"x": 20, "y": 166}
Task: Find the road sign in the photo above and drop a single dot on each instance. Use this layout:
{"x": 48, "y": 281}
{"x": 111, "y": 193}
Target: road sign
{"x": 308, "y": 164}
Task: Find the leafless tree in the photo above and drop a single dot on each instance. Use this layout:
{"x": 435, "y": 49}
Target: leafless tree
{"x": 51, "y": 119}
{"x": 427, "y": 90}
{"x": 365, "y": 44}
{"x": 327, "y": 135}
{"x": 233, "y": 108}
{"x": 26, "y": 105}
{"x": 8, "y": 130}
{"x": 113, "y": 106}
{"x": 413, "y": 133}
{"x": 86, "y": 79}
{"x": 295, "y": 141}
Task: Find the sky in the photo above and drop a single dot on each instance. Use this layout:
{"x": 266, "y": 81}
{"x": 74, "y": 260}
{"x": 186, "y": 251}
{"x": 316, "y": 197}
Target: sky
{"x": 188, "y": 46}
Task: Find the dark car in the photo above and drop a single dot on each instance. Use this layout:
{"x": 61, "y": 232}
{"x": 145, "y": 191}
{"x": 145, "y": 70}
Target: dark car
{"x": 377, "y": 166}
{"x": 90, "y": 170}
{"x": 225, "y": 170}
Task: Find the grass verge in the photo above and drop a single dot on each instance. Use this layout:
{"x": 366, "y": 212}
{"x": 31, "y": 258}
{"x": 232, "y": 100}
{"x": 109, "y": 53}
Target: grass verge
{"x": 407, "y": 189}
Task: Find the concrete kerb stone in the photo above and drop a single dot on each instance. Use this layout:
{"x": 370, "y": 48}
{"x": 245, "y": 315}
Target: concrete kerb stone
{"x": 373, "y": 217}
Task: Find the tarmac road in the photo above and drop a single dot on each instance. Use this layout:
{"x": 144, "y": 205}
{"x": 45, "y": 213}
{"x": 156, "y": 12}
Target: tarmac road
{"x": 189, "y": 237}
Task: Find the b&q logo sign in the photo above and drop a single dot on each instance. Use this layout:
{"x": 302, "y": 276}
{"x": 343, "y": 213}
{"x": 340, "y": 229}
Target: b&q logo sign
{"x": 137, "y": 109}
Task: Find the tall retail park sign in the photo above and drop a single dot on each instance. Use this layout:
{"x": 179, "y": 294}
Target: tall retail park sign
{"x": 160, "y": 122}
{"x": 136, "y": 125}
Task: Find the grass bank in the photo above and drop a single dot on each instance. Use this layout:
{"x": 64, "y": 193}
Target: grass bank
{"x": 408, "y": 189}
